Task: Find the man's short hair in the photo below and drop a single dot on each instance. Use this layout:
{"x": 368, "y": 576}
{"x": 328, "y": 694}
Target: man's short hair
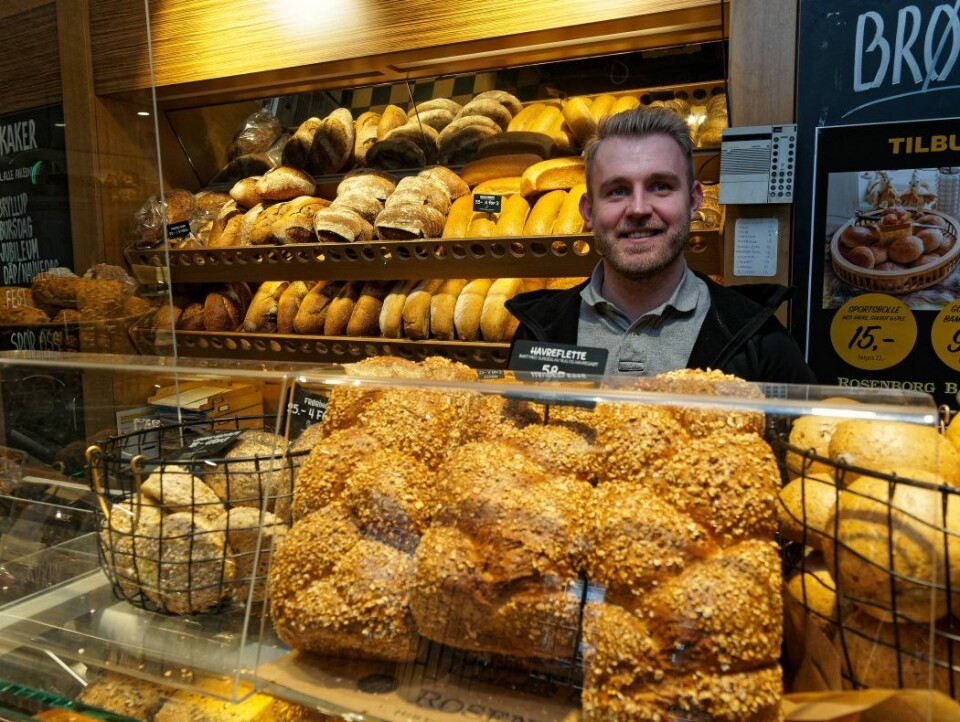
{"x": 640, "y": 123}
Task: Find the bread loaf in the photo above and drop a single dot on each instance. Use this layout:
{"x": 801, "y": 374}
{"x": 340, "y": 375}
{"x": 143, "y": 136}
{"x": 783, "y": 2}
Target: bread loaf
{"x": 367, "y": 206}
{"x": 458, "y": 146}
{"x": 332, "y": 143}
{"x": 295, "y": 223}
{"x": 544, "y": 120}
{"x": 548, "y": 175}
{"x": 341, "y": 308}
{"x": 456, "y": 186}
{"x": 544, "y": 214}
{"x": 469, "y": 307}
{"x": 409, "y": 222}
{"x": 601, "y": 105}
{"x": 192, "y": 318}
{"x": 396, "y": 154}
{"x": 481, "y": 227}
{"x": 513, "y": 216}
{"x": 499, "y": 186}
{"x": 576, "y": 112}
{"x": 487, "y": 108}
{"x": 244, "y": 191}
{"x": 283, "y": 184}
{"x": 312, "y": 313}
{"x": 224, "y": 308}
{"x": 392, "y": 117}
{"x": 418, "y": 191}
{"x": 436, "y": 118}
{"x": 341, "y": 225}
{"x": 459, "y": 219}
{"x": 516, "y": 142}
{"x": 226, "y": 227}
{"x": 494, "y": 316}
{"x": 365, "y": 135}
{"x": 261, "y": 230}
{"x": 569, "y": 220}
{"x": 422, "y": 135}
{"x": 451, "y": 106}
{"x": 508, "y": 100}
{"x": 262, "y": 315}
{"x": 522, "y": 120}
{"x": 499, "y": 166}
{"x": 624, "y": 102}
{"x": 442, "y": 305}
{"x": 368, "y": 181}
{"x": 391, "y": 314}
{"x": 296, "y": 151}
{"x": 416, "y": 309}
{"x": 289, "y": 304}
{"x": 365, "y": 319}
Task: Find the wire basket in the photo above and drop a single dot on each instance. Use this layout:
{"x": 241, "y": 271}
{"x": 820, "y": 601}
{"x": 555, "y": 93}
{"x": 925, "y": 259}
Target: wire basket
{"x": 872, "y": 561}
{"x": 183, "y": 535}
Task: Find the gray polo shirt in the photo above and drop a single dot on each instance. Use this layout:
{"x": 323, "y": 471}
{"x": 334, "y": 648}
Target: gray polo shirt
{"x": 658, "y": 341}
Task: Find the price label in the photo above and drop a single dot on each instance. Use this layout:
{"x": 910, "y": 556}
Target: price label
{"x": 487, "y": 203}
{"x": 945, "y": 335}
{"x": 487, "y": 374}
{"x": 178, "y": 230}
{"x": 305, "y": 409}
{"x": 535, "y": 360}
{"x": 211, "y": 445}
{"x": 873, "y": 331}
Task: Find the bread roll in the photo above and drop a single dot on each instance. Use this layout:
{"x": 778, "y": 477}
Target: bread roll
{"x": 513, "y": 216}
{"x": 442, "y": 306}
{"x": 312, "y": 313}
{"x": 556, "y": 173}
{"x": 522, "y": 120}
{"x": 469, "y": 307}
{"x": 601, "y": 105}
{"x": 813, "y": 434}
{"x": 499, "y": 186}
{"x": 481, "y": 228}
{"x": 365, "y": 135}
{"x": 289, "y": 304}
{"x": 391, "y": 314}
{"x": 494, "y": 316}
{"x": 283, "y": 184}
{"x": 516, "y": 142}
{"x": 806, "y": 505}
{"x": 341, "y": 225}
{"x": 341, "y": 309}
{"x": 296, "y": 151}
{"x": 569, "y": 220}
{"x": 244, "y": 192}
{"x": 576, "y": 112}
{"x": 262, "y": 315}
{"x": 365, "y": 319}
{"x": 416, "y": 309}
{"x": 499, "y": 166}
{"x": 392, "y": 117}
{"x": 544, "y": 214}
{"x": 854, "y": 236}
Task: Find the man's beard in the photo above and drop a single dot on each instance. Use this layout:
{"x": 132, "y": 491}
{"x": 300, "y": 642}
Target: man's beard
{"x": 645, "y": 265}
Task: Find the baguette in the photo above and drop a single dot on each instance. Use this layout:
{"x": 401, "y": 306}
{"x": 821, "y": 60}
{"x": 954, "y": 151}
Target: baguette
{"x": 498, "y": 166}
{"x": 289, "y": 304}
{"x": 416, "y": 309}
{"x": 513, "y": 216}
{"x": 365, "y": 319}
{"x": 582, "y": 124}
{"x": 569, "y": 220}
{"x": 341, "y": 308}
{"x": 544, "y": 214}
{"x": 552, "y": 174}
{"x": 494, "y": 315}
{"x": 499, "y": 186}
{"x": 459, "y": 218}
{"x": 391, "y": 313}
{"x": 262, "y": 315}
{"x": 313, "y": 309}
{"x": 469, "y": 307}
{"x": 482, "y": 228}
{"x": 522, "y": 120}
{"x": 545, "y": 119}
{"x": 442, "y": 306}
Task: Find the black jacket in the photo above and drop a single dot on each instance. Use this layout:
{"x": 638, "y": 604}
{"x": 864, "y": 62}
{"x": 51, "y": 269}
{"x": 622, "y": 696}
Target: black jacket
{"x": 739, "y": 336}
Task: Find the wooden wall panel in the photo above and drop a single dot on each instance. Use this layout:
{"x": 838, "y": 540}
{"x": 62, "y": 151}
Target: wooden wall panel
{"x": 29, "y": 55}
{"x": 200, "y": 40}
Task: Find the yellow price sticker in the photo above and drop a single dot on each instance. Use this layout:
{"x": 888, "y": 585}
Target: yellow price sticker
{"x": 873, "y": 331}
{"x": 945, "y": 335}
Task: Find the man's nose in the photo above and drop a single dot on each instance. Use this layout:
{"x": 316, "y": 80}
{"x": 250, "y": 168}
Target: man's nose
{"x": 638, "y": 204}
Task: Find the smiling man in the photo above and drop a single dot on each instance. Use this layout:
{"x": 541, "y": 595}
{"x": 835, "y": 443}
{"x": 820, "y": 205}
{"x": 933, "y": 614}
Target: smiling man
{"x": 642, "y": 303}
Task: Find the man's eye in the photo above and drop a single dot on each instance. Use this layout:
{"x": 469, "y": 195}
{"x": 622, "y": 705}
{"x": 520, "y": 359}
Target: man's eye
{"x": 661, "y": 188}
{"x": 617, "y": 192}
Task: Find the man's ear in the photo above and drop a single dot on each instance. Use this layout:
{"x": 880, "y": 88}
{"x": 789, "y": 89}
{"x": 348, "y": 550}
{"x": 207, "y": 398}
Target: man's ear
{"x": 696, "y": 196}
{"x": 586, "y": 210}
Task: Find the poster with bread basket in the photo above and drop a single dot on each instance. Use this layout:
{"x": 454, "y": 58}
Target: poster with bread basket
{"x": 885, "y": 282}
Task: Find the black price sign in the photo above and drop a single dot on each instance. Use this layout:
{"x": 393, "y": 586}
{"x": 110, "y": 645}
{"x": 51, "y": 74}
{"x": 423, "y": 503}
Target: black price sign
{"x": 539, "y": 361}
{"x": 305, "y": 409}
{"x": 487, "y": 203}
{"x": 205, "y": 447}
{"x": 486, "y": 374}
{"x": 178, "y": 230}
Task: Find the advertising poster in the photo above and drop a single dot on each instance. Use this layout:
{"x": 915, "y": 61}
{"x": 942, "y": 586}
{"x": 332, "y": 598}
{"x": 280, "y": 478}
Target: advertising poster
{"x": 885, "y": 280}
{"x": 870, "y": 71}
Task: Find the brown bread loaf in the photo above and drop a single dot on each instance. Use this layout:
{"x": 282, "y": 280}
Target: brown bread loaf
{"x": 332, "y": 144}
{"x": 283, "y": 184}
{"x": 422, "y": 135}
{"x": 365, "y": 319}
{"x": 409, "y": 222}
{"x": 289, "y": 304}
{"x": 420, "y": 191}
{"x": 296, "y": 151}
{"x": 367, "y": 206}
{"x": 508, "y": 100}
{"x": 369, "y": 181}
{"x": 396, "y": 154}
{"x": 499, "y": 166}
{"x": 261, "y": 231}
{"x": 341, "y": 308}
{"x": 312, "y": 313}
{"x": 295, "y": 223}
{"x": 451, "y": 106}
{"x": 192, "y": 318}
{"x": 262, "y": 315}
{"x": 392, "y": 117}
{"x": 456, "y": 186}
{"x": 488, "y": 108}
{"x": 365, "y": 135}
{"x": 391, "y": 314}
{"x": 416, "y": 310}
{"x": 461, "y": 146}
{"x": 244, "y": 192}
{"x": 225, "y": 307}
{"x": 341, "y": 225}
{"x": 516, "y": 142}
{"x": 469, "y": 307}
{"x": 442, "y": 305}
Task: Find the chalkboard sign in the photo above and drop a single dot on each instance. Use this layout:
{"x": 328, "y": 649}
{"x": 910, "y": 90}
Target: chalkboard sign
{"x": 543, "y": 361}
{"x": 34, "y": 201}
{"x": 207, "y": 446}
{"x": 487, "y": 203}
{"x": 305, "y": 409}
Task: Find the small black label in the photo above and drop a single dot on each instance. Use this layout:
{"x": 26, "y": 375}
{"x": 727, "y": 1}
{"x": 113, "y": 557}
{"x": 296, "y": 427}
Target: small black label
{"x": 487, "y": 203}
{"x": 539, "y": 361}
{"x": 178, "y": 230}
{"x": 305, "y": 409}
{"x": 489, "y": 374}
{"x": 211, "y": 445}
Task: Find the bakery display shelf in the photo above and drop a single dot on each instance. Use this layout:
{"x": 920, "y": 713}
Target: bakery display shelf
{"x": 320, "y": 349}
{"x": 513, "y": 256}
